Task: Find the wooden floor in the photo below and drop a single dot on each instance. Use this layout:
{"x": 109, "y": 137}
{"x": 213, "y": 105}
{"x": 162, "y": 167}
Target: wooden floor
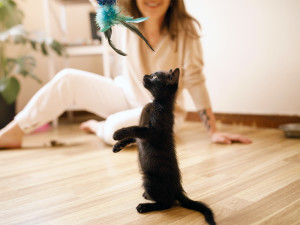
{"x": 83, "y": 182}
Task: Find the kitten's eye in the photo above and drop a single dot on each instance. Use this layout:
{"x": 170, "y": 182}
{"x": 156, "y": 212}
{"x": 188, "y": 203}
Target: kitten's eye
{"x": 154, "y": 77}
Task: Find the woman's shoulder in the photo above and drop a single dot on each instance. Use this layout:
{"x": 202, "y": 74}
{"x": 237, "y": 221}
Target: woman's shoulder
{"x": 190, "y": 31}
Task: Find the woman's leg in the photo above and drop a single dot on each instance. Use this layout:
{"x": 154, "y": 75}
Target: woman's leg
{"x": 11, "y": 136}
{"x": 106, "y": 129}
{"x": 69, "y": 87}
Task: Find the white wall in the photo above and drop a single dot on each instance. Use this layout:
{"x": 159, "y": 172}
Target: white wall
{"x": 251, "y": 54}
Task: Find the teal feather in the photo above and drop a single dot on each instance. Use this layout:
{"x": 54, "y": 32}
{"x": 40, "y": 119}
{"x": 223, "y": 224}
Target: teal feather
{"x": 136, "y": 31}
{"x": 138, "y": 20}
{"x": 107, "y": 34}
{"x": 109, "y": 15}
{"x": 107, "y": 2}
{"x": 106, "y": 17}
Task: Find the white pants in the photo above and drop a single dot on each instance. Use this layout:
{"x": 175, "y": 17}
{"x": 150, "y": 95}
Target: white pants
{"x": 91, "y": 92}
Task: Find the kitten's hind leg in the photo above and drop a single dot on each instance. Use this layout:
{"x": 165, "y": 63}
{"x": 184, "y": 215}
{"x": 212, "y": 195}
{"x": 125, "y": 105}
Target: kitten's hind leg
{"x": 149, "y": 207}
{"x": 122, "y": 144}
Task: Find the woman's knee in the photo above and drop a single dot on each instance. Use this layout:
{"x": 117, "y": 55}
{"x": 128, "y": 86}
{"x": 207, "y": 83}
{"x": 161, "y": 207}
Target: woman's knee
{"x": 111, "y": 125}
{"x": 67, "y": 80}
{"x": 117, "y": 121}
{"x": 64, "y": 74}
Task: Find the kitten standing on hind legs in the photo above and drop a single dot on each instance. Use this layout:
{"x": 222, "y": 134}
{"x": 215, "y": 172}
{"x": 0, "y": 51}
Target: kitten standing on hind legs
{"x": 156, "y": 148}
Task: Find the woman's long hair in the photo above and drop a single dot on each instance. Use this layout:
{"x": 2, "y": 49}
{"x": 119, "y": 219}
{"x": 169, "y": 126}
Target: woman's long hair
{"x": 176, "y": 18}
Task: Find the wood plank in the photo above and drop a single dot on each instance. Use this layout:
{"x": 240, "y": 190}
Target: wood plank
{"x": 83, "y": 182}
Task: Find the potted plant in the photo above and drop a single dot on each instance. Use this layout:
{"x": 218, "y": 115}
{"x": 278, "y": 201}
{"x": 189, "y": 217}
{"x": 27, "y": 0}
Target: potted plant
{"x": 12, "y": 32}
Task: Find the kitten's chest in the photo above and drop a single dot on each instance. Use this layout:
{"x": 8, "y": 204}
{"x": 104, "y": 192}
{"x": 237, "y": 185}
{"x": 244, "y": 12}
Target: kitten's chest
{"x": 152, "y": 115}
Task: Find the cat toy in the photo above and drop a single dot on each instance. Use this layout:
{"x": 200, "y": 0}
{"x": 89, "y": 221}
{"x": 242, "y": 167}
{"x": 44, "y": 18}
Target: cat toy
{"x": 109, "y": 14}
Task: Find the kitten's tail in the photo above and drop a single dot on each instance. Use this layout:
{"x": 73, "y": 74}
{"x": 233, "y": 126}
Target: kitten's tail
{"x": 198, "y": 206}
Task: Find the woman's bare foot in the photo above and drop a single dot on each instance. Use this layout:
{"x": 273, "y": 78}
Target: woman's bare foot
{"x": 90, "y": 126}
{"x": 11, "y": 136}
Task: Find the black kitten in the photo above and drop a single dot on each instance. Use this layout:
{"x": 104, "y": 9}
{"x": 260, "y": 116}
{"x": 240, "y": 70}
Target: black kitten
{"x": 156, "y": 145}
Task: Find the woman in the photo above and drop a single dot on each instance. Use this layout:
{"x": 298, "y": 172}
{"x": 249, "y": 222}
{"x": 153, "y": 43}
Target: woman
{"x": 172, "y": 32}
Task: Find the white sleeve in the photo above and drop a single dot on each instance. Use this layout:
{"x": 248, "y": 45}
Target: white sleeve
{"x": 193, "y": 79}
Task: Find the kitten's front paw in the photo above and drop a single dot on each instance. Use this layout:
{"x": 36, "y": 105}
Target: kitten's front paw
{"x": 116, "y": 148}
{"x": 119, "y": 134}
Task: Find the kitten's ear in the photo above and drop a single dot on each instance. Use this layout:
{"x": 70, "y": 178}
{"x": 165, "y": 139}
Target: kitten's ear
{"x": 174, "y": 76}
{"x": 170, "y": 71}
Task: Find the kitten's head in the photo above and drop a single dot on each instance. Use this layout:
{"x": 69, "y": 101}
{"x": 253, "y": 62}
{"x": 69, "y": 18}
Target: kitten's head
{"x": 162, "y": 83}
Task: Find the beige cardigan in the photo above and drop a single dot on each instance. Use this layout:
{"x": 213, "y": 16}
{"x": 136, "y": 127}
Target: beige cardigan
{"x": 141, "y": 60}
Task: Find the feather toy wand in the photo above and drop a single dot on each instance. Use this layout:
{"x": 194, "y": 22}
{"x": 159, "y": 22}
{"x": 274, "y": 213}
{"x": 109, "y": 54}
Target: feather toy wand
{"x": 109, "y": 14}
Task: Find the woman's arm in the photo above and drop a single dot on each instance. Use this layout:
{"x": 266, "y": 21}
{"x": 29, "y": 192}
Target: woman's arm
{"x": 209, "y": 121}
{"x": 194, "y": 82}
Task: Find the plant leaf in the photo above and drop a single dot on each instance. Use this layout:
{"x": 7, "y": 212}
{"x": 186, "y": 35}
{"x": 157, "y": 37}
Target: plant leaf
{"x": 33, "y": 76}
{"x": 43, "y": 48}
{"x": 20, "y": 39}
{"x": 10, "y": 65}
{"x": 9, "y": 89}
{"x": 23, "y": 65}
{"x": 33, "y": 44}
{"x": 57, "y": 47}
{"x": 10, "y": 14}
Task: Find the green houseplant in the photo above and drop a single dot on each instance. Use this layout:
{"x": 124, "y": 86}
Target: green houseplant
{"x": 12, "y": 32}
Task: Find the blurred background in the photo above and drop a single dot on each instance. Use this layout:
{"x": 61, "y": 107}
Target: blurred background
{"x": 251, "y": 50}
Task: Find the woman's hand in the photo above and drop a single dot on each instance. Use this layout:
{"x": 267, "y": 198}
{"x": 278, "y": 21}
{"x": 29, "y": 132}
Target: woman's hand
{"x": 209, "y": 122}
{"x": 227, "y": 138}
